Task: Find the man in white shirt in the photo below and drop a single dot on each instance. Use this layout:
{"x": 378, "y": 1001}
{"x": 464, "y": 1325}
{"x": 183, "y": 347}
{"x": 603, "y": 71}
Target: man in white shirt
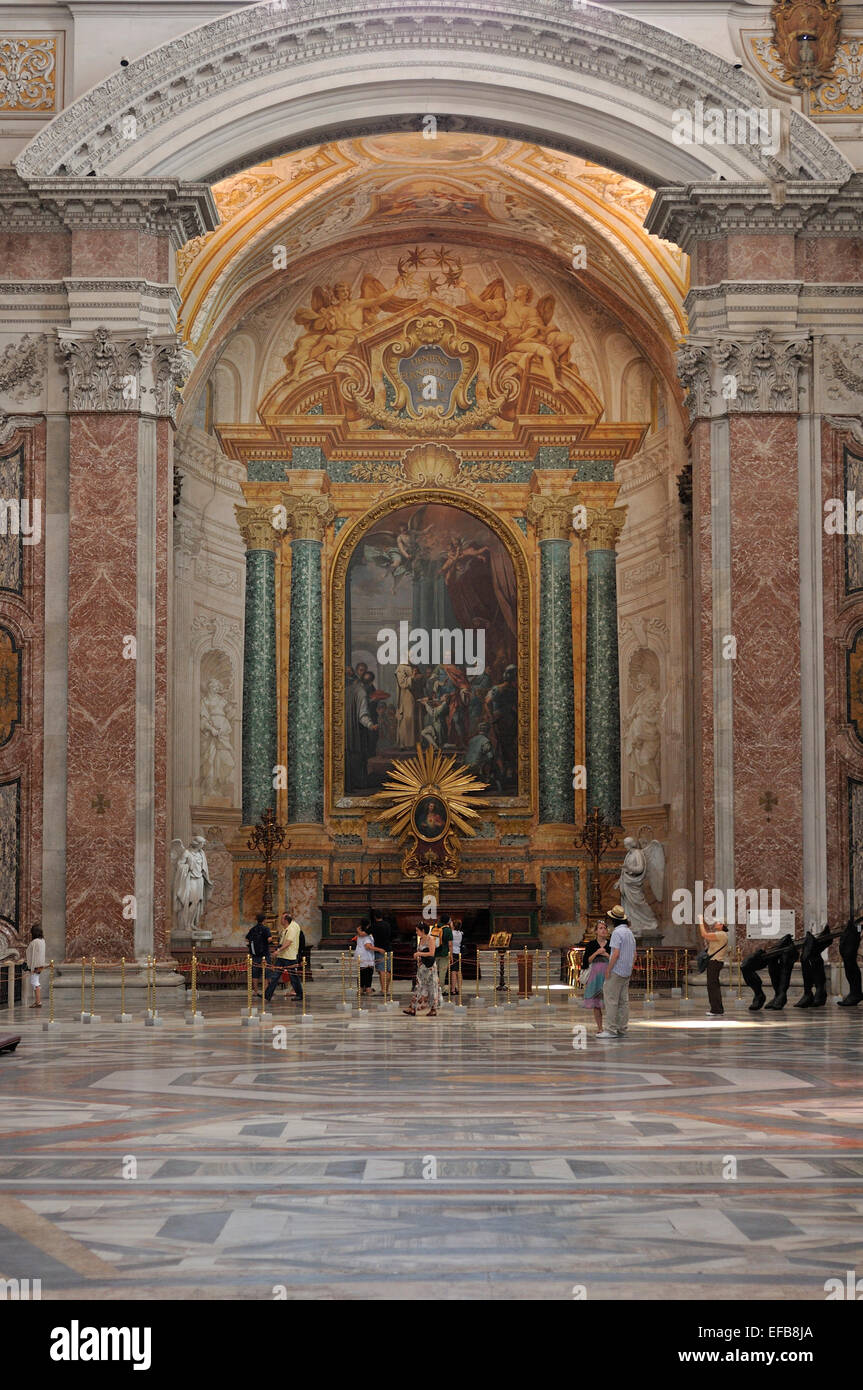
{"x": 615, "y": 991}
{"x": 287, "y": 953}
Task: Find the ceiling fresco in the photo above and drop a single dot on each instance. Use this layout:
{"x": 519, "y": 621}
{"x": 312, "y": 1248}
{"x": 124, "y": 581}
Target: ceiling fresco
{"x": 577, "y": 222}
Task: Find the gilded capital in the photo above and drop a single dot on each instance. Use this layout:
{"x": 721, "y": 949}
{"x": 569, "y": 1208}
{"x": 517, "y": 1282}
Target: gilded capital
{"x": 256, "y": 527}
{"x": 552, "y": 517}
{"x": 308, "y": 514}
{"x": 604, "y": 525}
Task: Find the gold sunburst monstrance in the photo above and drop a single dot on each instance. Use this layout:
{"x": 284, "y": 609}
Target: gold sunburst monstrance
{"x": 432, "y": 803}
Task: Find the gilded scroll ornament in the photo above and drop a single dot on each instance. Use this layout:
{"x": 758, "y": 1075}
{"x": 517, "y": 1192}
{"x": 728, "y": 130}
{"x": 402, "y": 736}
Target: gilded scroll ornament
{"x": 28, "y": 74}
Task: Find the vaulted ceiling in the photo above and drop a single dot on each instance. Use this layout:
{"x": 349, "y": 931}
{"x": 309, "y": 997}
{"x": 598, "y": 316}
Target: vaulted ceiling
{"x": 283, "y": 220}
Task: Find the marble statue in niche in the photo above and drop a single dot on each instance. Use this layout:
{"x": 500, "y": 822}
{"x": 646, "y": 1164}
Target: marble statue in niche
{"x": 643, "y": 725}
{"x": 217, "y": 734}
{"x": 192, "y": 886}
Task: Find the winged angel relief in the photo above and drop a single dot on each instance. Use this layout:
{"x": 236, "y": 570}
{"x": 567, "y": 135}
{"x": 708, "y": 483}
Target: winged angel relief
{"x": 530, "y": 331}
{"x": 334, "y": 319}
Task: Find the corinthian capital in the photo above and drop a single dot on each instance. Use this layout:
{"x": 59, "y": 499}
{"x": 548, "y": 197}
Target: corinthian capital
{"x": 307, "y": 514}
{"x": 552, "y": 517}
{"x": 604, "y": 525}
{"x": 256, "y": 527}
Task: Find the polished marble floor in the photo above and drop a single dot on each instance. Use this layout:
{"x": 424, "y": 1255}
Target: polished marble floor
{"x": 487, "y": 1152}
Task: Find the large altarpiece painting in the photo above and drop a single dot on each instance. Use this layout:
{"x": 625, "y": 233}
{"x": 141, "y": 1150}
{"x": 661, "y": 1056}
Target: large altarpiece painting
{"x": 431, "y": 646}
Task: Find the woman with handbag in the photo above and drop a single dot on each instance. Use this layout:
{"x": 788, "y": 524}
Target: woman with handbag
{"x": 594, "y": 964}
{"x": 717, "y": 945}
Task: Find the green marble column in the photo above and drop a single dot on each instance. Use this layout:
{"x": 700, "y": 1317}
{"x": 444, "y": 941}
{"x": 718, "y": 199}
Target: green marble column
{"x": 260, "y": 741}
{"x": 308, "y": 517}
{"x": 602, "y": 678}
{"x": 553, "y": 520}
{"x": 306, "y": 686}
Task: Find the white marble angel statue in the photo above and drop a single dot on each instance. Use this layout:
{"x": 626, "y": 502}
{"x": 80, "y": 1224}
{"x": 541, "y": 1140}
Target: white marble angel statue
{"x": 192, "y": 883}
{"x": 644, "y": 861}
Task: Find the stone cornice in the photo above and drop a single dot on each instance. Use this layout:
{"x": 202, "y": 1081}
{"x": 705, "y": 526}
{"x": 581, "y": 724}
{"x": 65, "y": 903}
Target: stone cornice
{"x": 260, "y": 41}
{"x": 161, "y": 206}
{"x": 698, "y": 210}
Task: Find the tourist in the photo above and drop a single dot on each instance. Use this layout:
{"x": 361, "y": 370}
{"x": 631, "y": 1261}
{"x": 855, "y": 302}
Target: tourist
{"x": 443, "y": 938}
{"x": 364, "y": 953}
{"x": 383, "y": 937}
{"x": 595, "y": 960}
{"x": 427, "y": 987}
{"x": 35, "y": 957}
{"x": 620, "y": 962}
{"x": 258, "y": 940}
{"x": 717, "y": 945}
{"x": 287, "y": 958}
{"x": 455, "y": 958}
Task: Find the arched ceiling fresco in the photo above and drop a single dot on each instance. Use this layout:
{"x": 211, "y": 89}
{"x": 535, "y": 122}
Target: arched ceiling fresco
{"x": 579, "y": 222}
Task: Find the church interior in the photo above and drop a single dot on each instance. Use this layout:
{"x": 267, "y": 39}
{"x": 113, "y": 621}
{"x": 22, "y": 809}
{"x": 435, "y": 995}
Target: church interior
{"x": 429, "y": 452}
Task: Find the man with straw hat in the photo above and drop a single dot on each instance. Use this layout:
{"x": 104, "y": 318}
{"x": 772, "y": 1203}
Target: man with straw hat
{"x": 615, "y": 993}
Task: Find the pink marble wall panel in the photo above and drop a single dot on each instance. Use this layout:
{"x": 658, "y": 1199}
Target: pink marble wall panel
{"x": 710, "y": 262}
{"x": 164, "y": 548}
{"x": 101, "y": 729}
{"x": 760, "y": 257}
{"x": 153, "y": 258}
{"x": 35, "y": 255}
{"x": 766, "y": 622}
{"x": 828, "y": 260}
{"x": 101, "y": 252}
{"x": 703, "y": 654}
{"x": 24, "y": 617}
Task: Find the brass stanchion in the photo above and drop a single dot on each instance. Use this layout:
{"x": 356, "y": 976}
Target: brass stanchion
{"x": 83, "y": 1015}
{"x": 122, "y": 1016}
{"x": 194, "y": 1016}
{"x": 152, "y": 1019}
{"x": 345, "y": 1006}
{"x": 92, "y": 1016}
{"x": 304, "y": 1018}
{"x": 50, "y": 1023}
{"x": 249, "y": 1014}
{"x": 362, "y": 1014}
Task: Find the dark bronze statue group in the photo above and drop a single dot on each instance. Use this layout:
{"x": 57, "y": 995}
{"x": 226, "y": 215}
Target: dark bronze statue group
{"x": 779, "y": 961}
